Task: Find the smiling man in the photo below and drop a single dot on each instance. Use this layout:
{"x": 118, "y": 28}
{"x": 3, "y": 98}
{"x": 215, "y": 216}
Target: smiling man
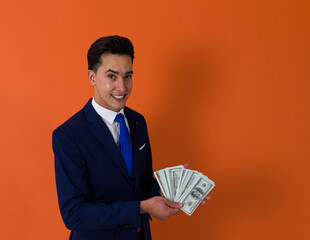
{"x": 112, "y": 81}
{"x": 103, "y": 161}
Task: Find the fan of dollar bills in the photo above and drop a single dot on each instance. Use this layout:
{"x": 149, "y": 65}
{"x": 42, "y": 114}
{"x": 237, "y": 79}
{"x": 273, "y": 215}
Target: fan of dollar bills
{"x": 182, "y": 185}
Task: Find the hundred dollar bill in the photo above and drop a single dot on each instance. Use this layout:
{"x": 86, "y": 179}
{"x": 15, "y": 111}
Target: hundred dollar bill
{"x": 194, "y": 197}
{"x": 177, "y": 179}
{"x": 173, "y": 177}
{"x": 190, "y": 180}
{"x": 161, "y": 179}
{"x": 185, "y": 176}
{"x": 167, "y": 181}
{"x": 183, "y": 173}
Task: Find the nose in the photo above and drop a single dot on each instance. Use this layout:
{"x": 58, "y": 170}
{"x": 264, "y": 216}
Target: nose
{"x": 120, "y": 85}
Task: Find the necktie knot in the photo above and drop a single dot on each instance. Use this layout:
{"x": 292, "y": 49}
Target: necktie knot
{"x": 119, "y": 118}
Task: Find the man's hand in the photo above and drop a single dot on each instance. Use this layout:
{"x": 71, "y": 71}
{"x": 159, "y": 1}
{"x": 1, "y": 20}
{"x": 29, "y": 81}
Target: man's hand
{"x": 159, "y": 207}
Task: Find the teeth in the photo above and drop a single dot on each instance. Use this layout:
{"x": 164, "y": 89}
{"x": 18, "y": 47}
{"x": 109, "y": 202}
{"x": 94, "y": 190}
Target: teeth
{"x": 118, "y": 97}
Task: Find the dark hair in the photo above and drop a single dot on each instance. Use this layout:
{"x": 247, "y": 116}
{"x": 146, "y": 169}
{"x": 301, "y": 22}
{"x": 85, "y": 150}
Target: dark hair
{"x": 110, "y": 44}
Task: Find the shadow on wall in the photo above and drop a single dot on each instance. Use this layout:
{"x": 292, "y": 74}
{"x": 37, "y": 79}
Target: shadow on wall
{"x": 189, "y": 88}
{"x": 188, "y": 91}
{"x": 244, "y": 203}
{"x": 192, "y": 87}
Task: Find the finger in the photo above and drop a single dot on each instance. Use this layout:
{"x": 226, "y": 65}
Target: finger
{"x": 186, "y": 165}
{"x": 203, "y": 202}
{"x": 207, "y": 198}
{"x": 174, "y": 204}
{"x": 174, "y": 211}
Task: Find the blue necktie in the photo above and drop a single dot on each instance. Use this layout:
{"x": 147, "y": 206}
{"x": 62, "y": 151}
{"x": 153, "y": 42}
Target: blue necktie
{"x": 125, "y": 142}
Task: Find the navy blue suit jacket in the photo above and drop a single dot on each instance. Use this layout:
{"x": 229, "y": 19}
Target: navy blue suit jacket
{"x": 97, "y": 198}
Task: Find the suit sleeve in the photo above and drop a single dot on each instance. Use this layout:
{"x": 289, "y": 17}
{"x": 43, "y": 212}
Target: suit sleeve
{"x": 152, "y": 183}
{"x": 74, "y": 193}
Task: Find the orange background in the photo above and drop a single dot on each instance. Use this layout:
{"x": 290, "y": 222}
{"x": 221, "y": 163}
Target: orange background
{"x": 224, "y": 86}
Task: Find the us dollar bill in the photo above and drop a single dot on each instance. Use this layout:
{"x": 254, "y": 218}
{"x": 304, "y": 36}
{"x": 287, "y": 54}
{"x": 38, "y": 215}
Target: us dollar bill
{"x": 161, "y": 179}
{"x": 184, "y": 185}
{"x": 173, "y": 175}
{"x": 190, "y": 180}
{"x": 185, "y": 176}
{"x": 168, "y": 183}
{"x": 193, "y": 198}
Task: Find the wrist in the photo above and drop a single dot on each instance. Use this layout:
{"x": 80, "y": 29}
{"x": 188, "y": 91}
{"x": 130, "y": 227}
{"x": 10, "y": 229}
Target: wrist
{"x": 143, "y": 207}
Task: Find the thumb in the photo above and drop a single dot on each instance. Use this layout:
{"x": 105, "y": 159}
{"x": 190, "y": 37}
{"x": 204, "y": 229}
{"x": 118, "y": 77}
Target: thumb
{"x": 174, "y": 204}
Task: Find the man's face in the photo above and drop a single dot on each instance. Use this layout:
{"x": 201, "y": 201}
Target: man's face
{"x": 113, "y": 81}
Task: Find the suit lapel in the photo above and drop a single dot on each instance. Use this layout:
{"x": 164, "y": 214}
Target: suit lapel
{"x": 101, "y": 131}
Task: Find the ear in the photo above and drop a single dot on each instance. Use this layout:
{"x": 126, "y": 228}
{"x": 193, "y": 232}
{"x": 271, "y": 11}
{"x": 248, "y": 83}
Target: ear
{"x": 92, "y": 77}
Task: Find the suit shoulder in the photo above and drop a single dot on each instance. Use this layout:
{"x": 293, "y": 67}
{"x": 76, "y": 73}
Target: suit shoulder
{"x": 133, "y": 113}
{"x": 77, "y": 121}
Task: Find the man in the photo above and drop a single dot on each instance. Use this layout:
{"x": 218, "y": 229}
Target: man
{"x": 103, "y": 162}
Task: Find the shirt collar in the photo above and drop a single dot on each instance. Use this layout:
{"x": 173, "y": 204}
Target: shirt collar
{"x": 104, "y": 113}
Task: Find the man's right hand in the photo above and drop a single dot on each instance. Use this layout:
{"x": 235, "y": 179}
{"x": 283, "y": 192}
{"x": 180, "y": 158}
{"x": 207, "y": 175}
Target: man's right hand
{"x": 159, "y": 207}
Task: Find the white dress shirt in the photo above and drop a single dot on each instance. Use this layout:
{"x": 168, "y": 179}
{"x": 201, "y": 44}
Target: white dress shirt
{"x": 108, "y": 117}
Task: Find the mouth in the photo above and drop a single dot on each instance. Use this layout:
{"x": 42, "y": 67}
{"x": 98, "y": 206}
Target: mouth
{"x": 119, "y": 97}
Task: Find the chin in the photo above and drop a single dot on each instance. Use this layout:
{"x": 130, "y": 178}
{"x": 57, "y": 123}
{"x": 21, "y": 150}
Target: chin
{"x": 117, "y": 109}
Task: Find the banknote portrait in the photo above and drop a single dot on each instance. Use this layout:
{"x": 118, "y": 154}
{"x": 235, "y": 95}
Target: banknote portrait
{"x": 197, "y": 193}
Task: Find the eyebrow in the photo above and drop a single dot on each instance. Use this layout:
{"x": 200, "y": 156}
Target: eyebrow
{"x": 112, "y": 71}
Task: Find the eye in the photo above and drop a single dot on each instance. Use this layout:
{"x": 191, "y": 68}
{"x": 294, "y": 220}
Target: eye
{"x": 128, "y": 77}
{"x": 111, "y": 76}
